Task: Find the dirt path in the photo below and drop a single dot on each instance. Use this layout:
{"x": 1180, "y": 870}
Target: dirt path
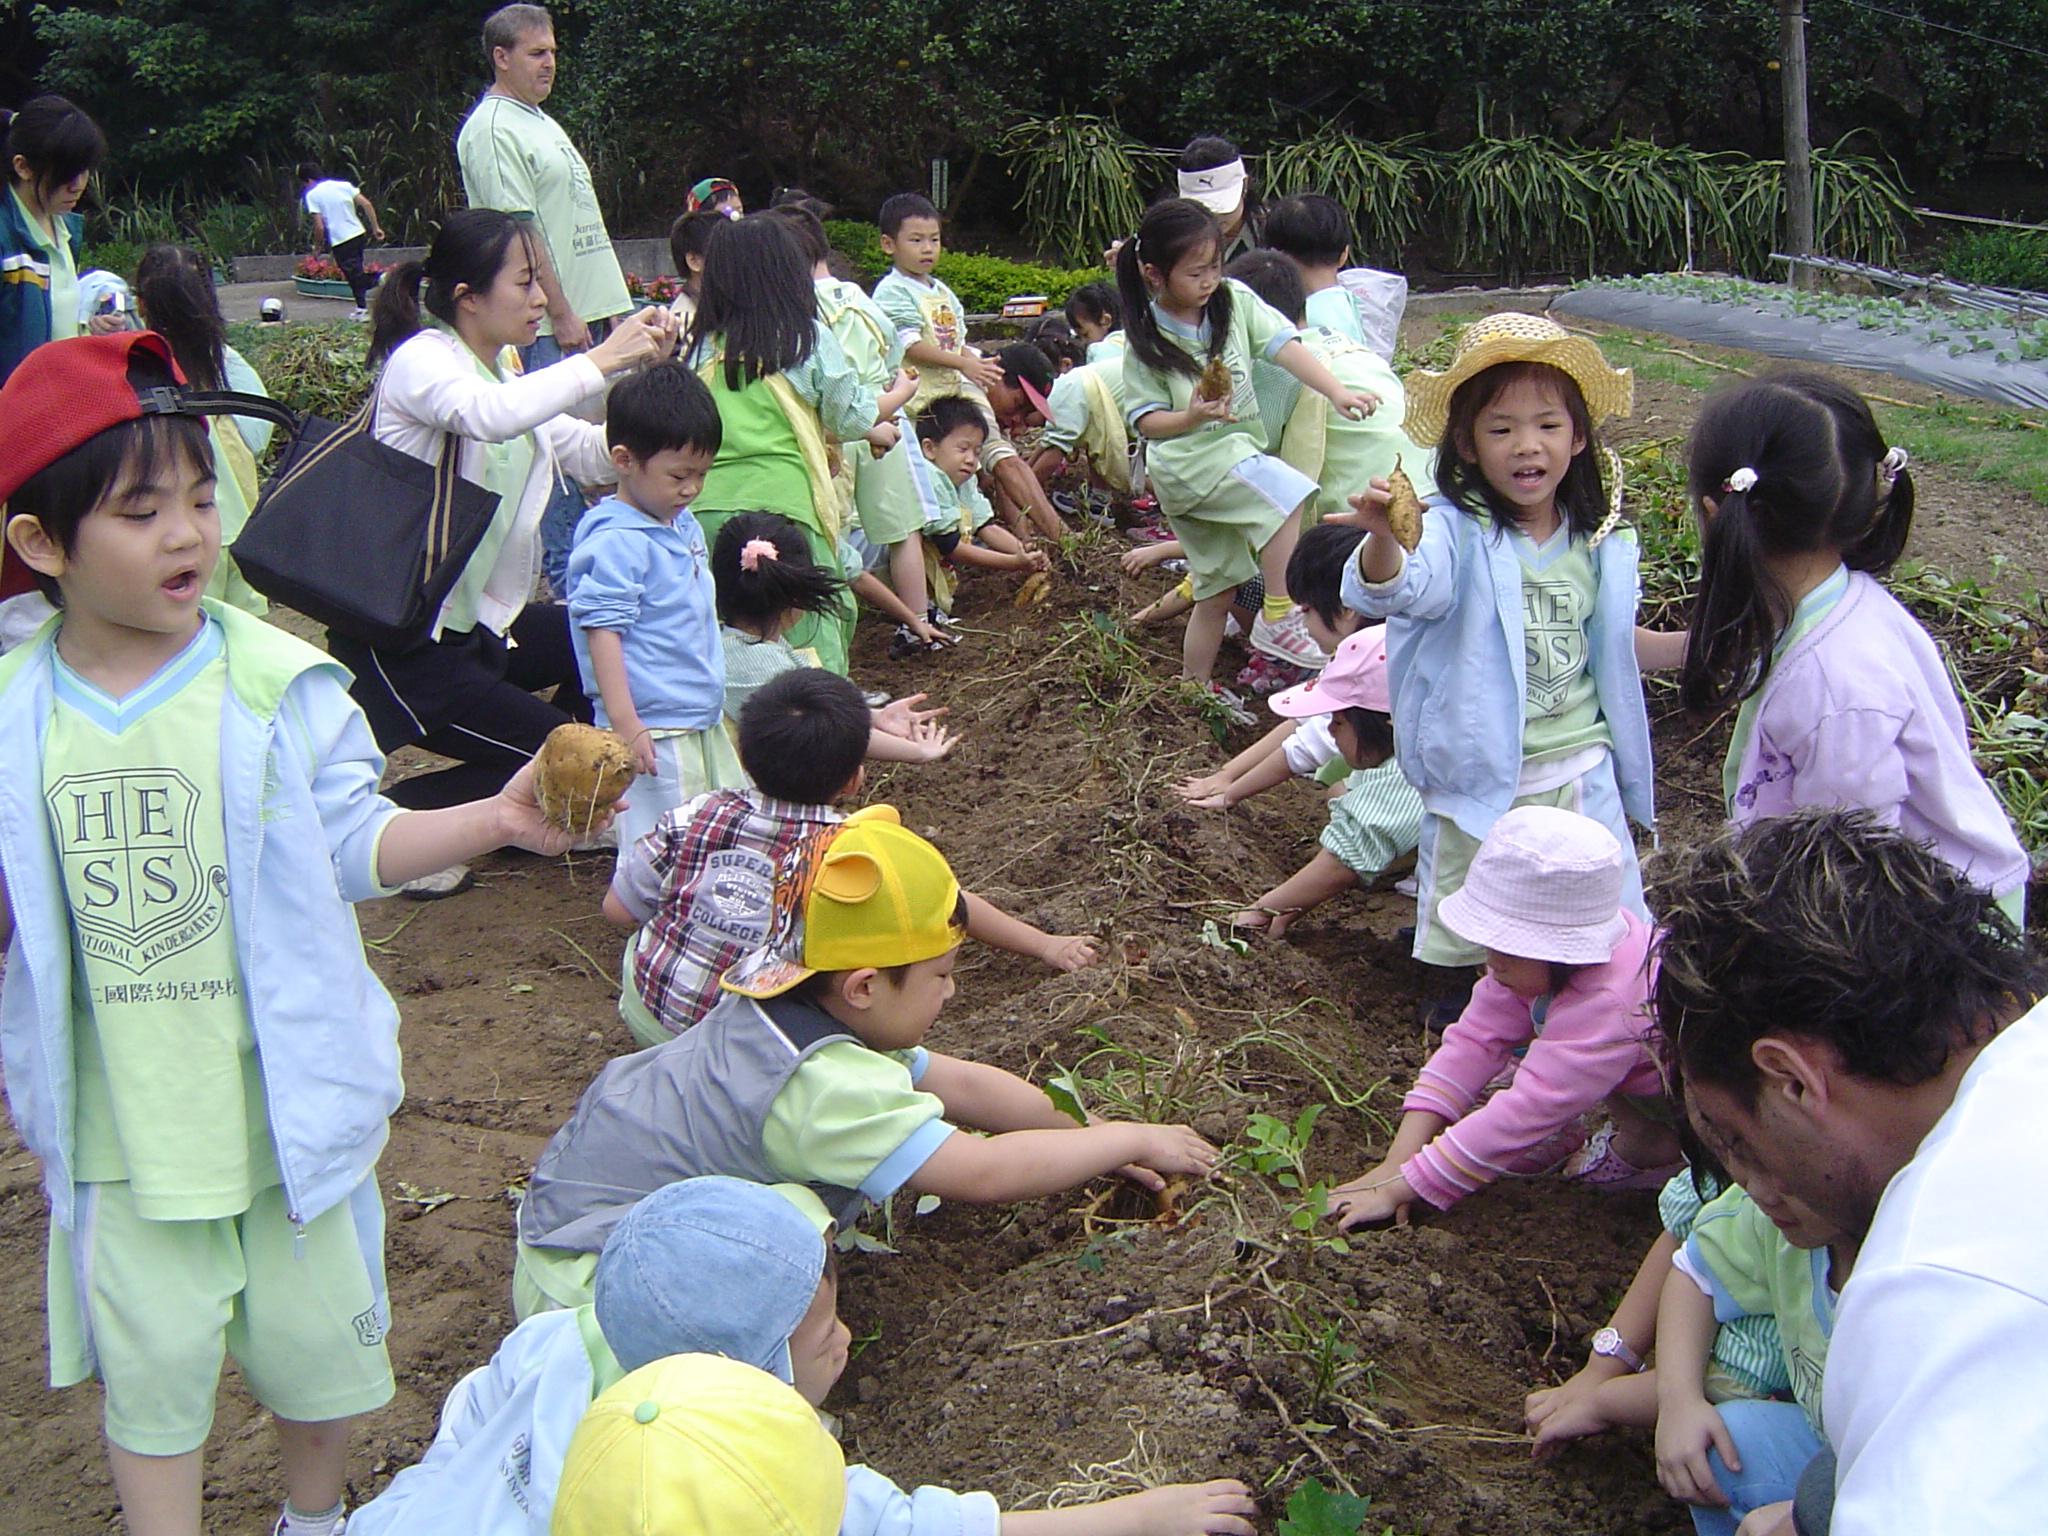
{"x": 1069, "y": 1346}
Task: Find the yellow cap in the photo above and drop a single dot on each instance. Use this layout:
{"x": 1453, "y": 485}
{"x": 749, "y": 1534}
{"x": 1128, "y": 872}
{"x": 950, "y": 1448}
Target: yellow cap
{"x": 1516, "y": 338}
{"x": 698, "y": 1445}
{"x": 865, "y": 892}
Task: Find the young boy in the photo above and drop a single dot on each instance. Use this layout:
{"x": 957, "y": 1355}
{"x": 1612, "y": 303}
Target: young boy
{"x": 929, "y": 318}
{"x": 961, "y": 528}
{"x": 811, "y": 1070}
{"x": 195, "y": 1049}
{"x": 642, "y": 608}
{"x": 342, "y": 212}
{"x": 700, "y": 885}
{"x": 1314, "y": 231}
{"x": 677, "y": 1277}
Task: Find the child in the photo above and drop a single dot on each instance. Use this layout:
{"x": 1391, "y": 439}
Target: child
{"x": 787, "y": 393}
{"x": 1084, "y": 415}
{"x": 641, "y": 601}
{"x": 188, "y": 811}
{"x": 1314, "y": 232}
{"x": 699, "y": 886}
{"x": 1097, "y": 317}
{"x": 1236, "y": 510}
{"x": 1566, "y": 977}
{"x": 766, "y": 1299}
{"x": 715, "y": 195}
{"x": 1788, "y": 1264}
{"x": 342, "y": 212}
{"x": 687, "y": 238}
{"x": 695, "y": 1445}
{"x": 930, "y": 320}
{"x": 811, "y": 1070}
{"x": 1844, "y": 699}
{"x": 1519, "y": 603}
{"x": 766, "y": 582}
{"x": 174, "y": 297}
{"x": 1375, "y": 822}
{"x": 963, "y": 530}
{"x": 1617, "y": 1386}
{"x": 1339, "y": 455}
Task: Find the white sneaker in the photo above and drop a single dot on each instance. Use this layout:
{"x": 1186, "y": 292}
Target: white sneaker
{"x": 359, "y": 315}
{"x": 452, "y": 881}
{"x": 1288, "y": 640}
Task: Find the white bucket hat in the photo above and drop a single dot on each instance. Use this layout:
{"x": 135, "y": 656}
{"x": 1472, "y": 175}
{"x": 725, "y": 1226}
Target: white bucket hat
{"x": 1545, "y": 885}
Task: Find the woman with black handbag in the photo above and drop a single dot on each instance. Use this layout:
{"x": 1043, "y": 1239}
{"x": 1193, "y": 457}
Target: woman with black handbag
{"x": 468, "y": 690}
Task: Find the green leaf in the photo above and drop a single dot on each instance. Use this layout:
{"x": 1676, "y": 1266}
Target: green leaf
{"x": 1064, "y": 1089}
{"x": 1313, "y": 1510}
{"x": 926, "y": 1204}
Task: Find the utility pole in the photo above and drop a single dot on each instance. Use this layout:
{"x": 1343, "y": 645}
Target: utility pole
{"x": 1798, "y": 145}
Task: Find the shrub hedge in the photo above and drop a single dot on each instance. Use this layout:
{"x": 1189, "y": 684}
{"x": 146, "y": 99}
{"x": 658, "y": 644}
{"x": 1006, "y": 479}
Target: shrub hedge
{"x": 982, "y": 282}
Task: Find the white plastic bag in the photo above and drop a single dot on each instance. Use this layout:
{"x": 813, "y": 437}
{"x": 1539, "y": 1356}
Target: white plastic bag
{"x": 1380, "y": 297}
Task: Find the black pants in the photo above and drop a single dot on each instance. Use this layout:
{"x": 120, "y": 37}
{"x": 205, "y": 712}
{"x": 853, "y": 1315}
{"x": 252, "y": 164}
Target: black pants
{"x": 468, "y": 696}
{"x": 349, "y": 257}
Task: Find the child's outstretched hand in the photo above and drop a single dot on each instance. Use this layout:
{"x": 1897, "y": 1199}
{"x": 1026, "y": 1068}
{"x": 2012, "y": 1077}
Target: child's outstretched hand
{"x": 983, "y": 373}
{"x": 1070, "y": 951}
{"x": 1556, "y": 1416}
{"x": 1368, "y": 508}
{"x": 1355, "y": 405}
{"x": 1142, "y": 557}
{"x": 1222, "y": 1508}
{"x": 1685, "y": 1433}
{"x": 1170, "y": 1151}
{"x": 1275, "y": 921}
{"x": 932, "y": 740}
{"x": 521, "y": 825}
{"x": 1036, "y": 560}
{"x": 900, "y": 716}
{"x": 1379, "y": 1195}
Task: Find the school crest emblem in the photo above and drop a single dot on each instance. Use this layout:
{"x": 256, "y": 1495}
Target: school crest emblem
{"x": 139, "y": 892}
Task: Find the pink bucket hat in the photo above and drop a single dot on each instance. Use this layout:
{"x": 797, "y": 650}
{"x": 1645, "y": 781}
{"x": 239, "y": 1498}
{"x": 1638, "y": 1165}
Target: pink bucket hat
{"x": 1545, "y": 885}
{"x": 1356, "y": 678}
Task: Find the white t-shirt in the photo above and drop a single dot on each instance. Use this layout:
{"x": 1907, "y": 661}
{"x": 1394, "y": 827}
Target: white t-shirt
{"x": 1934, "y": 1399}
{"x": 335, "y": 201}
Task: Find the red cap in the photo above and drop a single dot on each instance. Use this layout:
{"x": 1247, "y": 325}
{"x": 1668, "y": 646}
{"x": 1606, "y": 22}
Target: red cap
{"x": 64, "y": 394}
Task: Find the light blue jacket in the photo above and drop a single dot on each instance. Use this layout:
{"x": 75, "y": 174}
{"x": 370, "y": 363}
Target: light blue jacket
{"x": 1457, "y": 666}
{"x": 651, "y": 582}
{"x": 299, "y": 774}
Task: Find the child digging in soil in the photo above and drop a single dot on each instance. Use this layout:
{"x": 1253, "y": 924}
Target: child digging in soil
{"x": 963, "y": 530}
{"x": 810, "y": 1070}
{"x": 195, "y": 1049}
{"x": 700, "y": 885}
{"x": 1567, "y": 983}
{"x": 720, "y": 1266}
{"x": 1376, "y": 821}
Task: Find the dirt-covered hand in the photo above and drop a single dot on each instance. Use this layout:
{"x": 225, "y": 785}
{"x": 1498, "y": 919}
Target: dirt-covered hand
{"x": 1556, "y": 1416}
{"x": 1685, "y": 1433}
{"x": 1070, "y": 951}
{"x": 1171, "y": 1150}
{"x": 1197, "y": 788}
{"x": 1373, "y": 1198}
{"x": 1224, "y": 1507}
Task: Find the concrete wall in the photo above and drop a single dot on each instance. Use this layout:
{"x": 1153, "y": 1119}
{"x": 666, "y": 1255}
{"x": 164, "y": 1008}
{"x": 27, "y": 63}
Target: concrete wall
{"x": 643, "y": 258}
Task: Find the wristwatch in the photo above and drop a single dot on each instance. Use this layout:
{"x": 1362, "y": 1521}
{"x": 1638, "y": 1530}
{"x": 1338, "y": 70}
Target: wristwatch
{"x": 1608, "y": 1342}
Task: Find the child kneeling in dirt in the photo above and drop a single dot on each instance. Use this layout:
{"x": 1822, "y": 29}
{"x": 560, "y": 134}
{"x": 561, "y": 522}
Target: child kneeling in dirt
{"x": 702, "y": 881}
{"x": 1376, "y": 822}
{"x": 195, "y": 1049}
{"x": 720, "y": 1266}
{"x": 810, "y": 1070}
{"x": 962, "y": 531}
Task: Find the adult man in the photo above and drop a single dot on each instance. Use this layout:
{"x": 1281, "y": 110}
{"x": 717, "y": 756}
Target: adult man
{"x": 1849, "y": 1019}
{"x": 516, "y": 158}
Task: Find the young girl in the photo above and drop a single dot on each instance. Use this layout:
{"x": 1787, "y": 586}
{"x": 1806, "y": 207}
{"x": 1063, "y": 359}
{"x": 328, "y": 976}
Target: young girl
{"x": 1098, "y": 320}
{"x": 1519, "y": 605}
{"x": 1844, "y": 698}
{"x": 768, "y": 582}
{"x": 49, "y": 149}
{"x": 174, "y": 297}
{"x": 1567, "y": 979}
{"x": 786, "y": 394}
{"x": 1235, "y": 509}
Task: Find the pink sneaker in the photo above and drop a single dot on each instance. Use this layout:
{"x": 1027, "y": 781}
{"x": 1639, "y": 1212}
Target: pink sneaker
{"x": 1287, "y": 640}
{"x": 1598, "y": 1164}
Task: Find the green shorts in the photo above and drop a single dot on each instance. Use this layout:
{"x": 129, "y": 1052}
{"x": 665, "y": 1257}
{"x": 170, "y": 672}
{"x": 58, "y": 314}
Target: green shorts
{"x": 887, "y": 495}
{"x": 551, "y": 1279}
{"x": 151, "y": 1307}
{"x": 1223, "y": 534}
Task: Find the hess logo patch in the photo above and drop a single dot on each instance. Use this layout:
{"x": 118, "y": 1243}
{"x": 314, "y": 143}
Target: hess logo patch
{"x": 138, "y": 890}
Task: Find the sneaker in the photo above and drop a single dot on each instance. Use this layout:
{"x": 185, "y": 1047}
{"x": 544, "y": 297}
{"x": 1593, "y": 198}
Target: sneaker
{"x": 359, "y": 315}
{"x": 1287, "y": 639}
{"x": 1148, "y": 533}
{"x": 452, "y": 881}
{"x": 938, "y": 618}
{"x": 1066, "y": 503}
{"x": 1263, "y": 675}
{"x": 1598, "y": 1164}
{"x": 903, "y": 645}
{"x": 1233, "y": 706}
{"x": 340, "y": 1526}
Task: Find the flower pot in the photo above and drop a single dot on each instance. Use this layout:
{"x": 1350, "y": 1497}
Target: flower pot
{"x": 323, "y": 287}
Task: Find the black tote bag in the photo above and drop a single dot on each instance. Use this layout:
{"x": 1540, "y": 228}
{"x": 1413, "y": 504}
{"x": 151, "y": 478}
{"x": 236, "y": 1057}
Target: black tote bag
{"x": 361, "y": 536}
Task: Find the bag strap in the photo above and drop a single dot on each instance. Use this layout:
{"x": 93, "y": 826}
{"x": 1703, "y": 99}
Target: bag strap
{"x": 170, "y": 400}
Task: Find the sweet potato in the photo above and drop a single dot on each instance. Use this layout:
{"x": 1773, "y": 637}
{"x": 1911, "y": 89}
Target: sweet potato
{"x": 581, "y": 773}
{"x": 1215, "y": 382}
{"x": 1404, "y": 511}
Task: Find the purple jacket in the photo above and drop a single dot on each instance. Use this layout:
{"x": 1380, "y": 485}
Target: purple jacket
{"x": 1860, "y": 712}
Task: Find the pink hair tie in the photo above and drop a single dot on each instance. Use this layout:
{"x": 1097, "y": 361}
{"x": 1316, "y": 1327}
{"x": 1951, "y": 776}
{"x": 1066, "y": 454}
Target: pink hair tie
{"x": 752, "y": 551}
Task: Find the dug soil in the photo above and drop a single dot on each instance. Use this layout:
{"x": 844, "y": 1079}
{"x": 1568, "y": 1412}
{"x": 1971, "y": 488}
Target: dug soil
{"x": 1060, "y": 1350}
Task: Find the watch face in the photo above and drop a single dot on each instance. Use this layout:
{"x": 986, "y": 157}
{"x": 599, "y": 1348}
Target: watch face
{"x": 1607, "y": 1342}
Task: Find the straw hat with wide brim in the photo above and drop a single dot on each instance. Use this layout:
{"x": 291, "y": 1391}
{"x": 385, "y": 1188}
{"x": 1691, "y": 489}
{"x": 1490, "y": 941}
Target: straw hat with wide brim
{"x": 1513, "y": 338}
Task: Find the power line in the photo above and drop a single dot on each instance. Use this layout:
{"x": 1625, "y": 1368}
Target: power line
{"x": 1942, "y": 26}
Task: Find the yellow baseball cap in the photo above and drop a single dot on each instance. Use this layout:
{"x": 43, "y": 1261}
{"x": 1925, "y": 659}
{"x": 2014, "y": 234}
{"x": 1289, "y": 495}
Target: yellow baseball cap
{"x": 698, "y": 1445}
{"x": 867, "y": 891}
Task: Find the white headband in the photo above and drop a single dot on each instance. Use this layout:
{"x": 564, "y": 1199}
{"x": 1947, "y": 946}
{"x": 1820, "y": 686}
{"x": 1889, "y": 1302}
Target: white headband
{"x": 1220, "y": 188}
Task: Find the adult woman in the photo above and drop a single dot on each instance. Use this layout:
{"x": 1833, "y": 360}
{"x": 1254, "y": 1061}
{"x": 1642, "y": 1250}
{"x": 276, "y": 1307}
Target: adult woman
{"x": 786, "y": 393}
{"x": 50, "y": 151}
{"x": 467, "y": 691}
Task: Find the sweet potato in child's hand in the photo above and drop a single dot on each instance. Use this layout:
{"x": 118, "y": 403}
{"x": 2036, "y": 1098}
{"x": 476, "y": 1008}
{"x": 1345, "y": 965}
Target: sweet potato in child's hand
{"x": 1404, "y": 511}
{"x": 1215, "y": 382}
{"x": 581, "y": 773}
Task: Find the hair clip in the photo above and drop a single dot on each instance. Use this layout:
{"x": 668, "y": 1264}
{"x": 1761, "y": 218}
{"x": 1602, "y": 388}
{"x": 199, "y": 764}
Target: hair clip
{"x": 753, "y": 550}
{"x": 1744, "y": 479}
{"x": 1894, "y": 460}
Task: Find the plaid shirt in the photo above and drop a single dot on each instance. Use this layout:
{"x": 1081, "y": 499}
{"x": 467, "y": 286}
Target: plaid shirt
{"x": 702, "y": 883}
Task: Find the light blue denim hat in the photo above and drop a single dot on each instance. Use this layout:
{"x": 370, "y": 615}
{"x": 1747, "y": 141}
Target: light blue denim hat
{"x": 714, "y": 1266}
